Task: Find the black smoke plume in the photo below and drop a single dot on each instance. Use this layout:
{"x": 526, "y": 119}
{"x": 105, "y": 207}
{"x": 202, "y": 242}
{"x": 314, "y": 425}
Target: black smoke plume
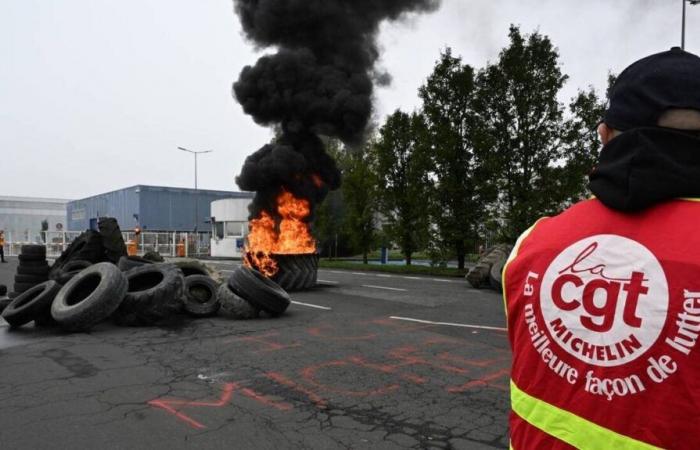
{"x": 319, "y": 83}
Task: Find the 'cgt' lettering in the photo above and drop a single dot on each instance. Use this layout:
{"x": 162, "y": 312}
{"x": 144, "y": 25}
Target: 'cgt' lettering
{"x": 601, "y": 318}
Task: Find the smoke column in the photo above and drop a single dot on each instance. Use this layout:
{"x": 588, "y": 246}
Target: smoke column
{"x": 319, "y": 83}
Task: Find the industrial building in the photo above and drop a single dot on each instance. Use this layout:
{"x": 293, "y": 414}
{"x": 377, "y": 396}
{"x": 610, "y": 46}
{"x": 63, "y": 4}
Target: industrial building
{"x": 22, "y": 217}
{"x": 152, "y": 208}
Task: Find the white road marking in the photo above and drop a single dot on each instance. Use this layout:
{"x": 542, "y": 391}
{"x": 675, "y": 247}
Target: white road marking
{"x": 411, "y": 278}
{"x": 448, "y": 324}
{"x": 359, "y": 273}
{"x": 441, "y": 280}
{"x": 385, "y": 276}
{"x": 327, "y": 282}
{"x": 334, "y": 271}
{"x": 384, "y": 287}
{"x": 325, "y": 308}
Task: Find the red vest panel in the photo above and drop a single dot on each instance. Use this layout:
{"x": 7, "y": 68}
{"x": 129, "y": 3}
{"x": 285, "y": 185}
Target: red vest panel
{"x": 604, "y": 322}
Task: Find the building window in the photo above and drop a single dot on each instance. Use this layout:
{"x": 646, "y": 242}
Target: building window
{"x": 219, "y": 230}
{"x": 234, "y": 229}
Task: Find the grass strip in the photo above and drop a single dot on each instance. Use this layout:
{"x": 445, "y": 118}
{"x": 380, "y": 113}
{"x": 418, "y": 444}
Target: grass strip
{"x": 388, "y": 268}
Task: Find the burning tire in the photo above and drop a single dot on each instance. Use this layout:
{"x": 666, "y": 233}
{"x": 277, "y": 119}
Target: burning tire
{"x": 259, "y": 291}
{"x": 234, "y": 306}
{"x": 296, "y": 272}
{"x": 32, "y": 304}
{"x": 154, "y": 293}
{"x": 201, "y": 296}
{"x": 90, "y": 297}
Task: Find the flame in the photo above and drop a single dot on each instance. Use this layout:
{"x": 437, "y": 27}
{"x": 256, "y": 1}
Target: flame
{"x": 292, "y": 236}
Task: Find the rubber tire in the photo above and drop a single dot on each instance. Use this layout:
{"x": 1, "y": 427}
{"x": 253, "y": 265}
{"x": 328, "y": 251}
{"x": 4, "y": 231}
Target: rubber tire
{"x": 193, "y": 305}
{"x": 4, "y": 302}
{"x": 23, "y": 287}
{"x": 296, "y": 272}
{"x": 12, "y": 295}
{"x": 3, "y": 290}
{"x": 153, "y": 257}
{"x": 35, "y": 250}
{"x": 496, "y": 274}
{"x": 34, "y": 264}
{"x": 88, "y": 246}
{"x": 98, "y": 301}
{"x": 34, "y": 303}
{"x": 23, "y": 259}
{"x": 259, "y": 291}
{"x": 76, "y": 264}
{"x": 33, "y": 270}
{"x": 64, "y": 277}
{"x": 233, "y": 306}
{"x": 19, "y": 278}
{"x": 112, "y": 239}
{"x": 157, "y": 302}
{"x": 195, "y": 267}
{"x": 126, "y": 263}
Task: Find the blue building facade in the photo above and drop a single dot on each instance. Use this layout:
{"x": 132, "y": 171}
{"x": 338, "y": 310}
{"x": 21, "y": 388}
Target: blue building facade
{"x": 153, "y": 208}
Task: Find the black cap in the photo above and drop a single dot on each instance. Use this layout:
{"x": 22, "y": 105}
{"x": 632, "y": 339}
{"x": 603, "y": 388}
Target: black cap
{"x": 652, "y": 85}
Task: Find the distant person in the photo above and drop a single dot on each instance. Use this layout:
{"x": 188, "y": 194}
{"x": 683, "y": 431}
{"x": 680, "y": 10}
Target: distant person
{"x": 2, "y": 246}
{"x": 603, "y": 300}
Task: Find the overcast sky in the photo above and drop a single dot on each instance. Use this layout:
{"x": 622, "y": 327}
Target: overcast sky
{"x": 96, "y": 95}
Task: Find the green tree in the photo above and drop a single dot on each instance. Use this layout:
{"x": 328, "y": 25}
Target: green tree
{"x": 360, "y": 199}
{"x": 522, "y": 122}
{"x": 329, "y": 216}
{"x": 459, "y": 193}
{"x": 582, "y": 141}
{"x": 403, "y": 182}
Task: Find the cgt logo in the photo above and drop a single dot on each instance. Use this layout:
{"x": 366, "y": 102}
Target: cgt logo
{"x": 605, "y": 299}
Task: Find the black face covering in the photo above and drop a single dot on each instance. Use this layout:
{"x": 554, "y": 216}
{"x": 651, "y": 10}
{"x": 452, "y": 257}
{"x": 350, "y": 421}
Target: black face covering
{"x": 646, "y": 166}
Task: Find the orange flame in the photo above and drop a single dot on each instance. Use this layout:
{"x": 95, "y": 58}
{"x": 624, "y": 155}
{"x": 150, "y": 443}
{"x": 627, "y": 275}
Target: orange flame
{"x": 293, "y": 236}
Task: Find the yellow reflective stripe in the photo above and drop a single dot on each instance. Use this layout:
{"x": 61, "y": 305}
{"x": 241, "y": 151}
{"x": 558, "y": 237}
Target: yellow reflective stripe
{"x": 690, "y": 199}
{"x": 513, "y": 255}
{"x": 568, "y": 427}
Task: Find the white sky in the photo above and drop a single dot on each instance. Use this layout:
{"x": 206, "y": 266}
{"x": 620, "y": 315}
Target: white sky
{"x": 96, "y": 95}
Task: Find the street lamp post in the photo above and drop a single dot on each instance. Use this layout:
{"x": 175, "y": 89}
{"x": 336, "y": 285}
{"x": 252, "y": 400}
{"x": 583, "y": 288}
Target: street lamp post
{"x": 692, "y": 2}
{"x": 196, "y": 199}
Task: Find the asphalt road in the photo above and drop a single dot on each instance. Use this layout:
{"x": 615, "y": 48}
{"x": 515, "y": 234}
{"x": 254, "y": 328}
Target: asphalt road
{"x": 364, "y": 361}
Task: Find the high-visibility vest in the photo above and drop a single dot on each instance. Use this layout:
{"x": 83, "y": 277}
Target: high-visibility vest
{"x": 604, "y": 322}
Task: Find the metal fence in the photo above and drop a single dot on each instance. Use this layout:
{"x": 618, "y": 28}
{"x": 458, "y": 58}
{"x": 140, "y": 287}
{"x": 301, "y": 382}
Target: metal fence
{"x": 172, "y": 244}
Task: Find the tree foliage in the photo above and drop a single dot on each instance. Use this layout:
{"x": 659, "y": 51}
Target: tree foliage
{"x": 522, "y": 117}
{"x": 402, "y": 171}
{"x": 360, "y": 198}
{"x": 459, "y": 191}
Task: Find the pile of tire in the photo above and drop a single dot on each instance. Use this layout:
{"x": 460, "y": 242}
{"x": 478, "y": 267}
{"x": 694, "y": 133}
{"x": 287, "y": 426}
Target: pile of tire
{"x": 136, "y": 291}
{"x": 33, "y": 269}
{"x": 488, "y": 270}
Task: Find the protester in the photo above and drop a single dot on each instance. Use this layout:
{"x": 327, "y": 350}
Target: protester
{"x": 2, "y": 246}
{"x": 603, "y": 300}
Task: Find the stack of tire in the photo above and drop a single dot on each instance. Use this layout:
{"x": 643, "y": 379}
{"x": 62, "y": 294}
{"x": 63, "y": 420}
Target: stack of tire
{"x": 33, "y": 269}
